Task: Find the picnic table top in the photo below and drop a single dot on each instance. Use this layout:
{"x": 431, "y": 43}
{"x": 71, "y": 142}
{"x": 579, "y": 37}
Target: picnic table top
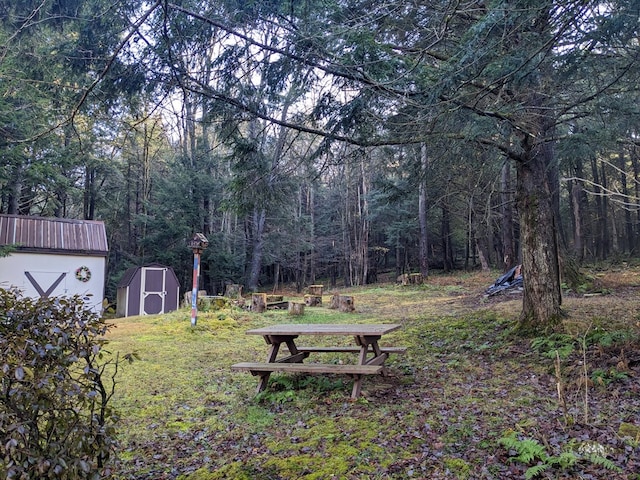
{"x": 356, "y": 329}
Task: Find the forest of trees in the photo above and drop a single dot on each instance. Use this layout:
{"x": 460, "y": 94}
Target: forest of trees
{"x": 342, "y": 141}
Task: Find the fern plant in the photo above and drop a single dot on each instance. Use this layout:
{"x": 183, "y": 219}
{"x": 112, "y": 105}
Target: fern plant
{"x": 555, "y": 344}
{"x": 529, "y": 451}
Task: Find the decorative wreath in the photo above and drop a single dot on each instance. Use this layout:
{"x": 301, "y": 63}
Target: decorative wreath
{"x": 83, "y": 274}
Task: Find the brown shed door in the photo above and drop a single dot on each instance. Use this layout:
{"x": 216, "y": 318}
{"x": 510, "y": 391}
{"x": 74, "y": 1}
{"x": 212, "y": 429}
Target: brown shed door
{"x": 153, "y": 290}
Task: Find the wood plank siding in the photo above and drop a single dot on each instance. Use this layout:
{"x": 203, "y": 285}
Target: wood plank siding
{"x": 54, "y": 235}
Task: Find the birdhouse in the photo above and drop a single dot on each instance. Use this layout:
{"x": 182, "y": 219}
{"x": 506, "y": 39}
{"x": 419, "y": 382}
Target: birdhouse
{"x": 198, "y": 243}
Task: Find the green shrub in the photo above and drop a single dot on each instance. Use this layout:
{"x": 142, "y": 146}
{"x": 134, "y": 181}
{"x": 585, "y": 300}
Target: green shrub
{"x": 55, "y": 421}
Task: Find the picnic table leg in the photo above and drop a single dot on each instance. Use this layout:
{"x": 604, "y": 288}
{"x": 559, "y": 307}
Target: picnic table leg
{"x": 273, "y": 352}
{"x": 357, "y": 386}
{"x": 263, "y": 382}
{"x": 271, "y": 357}
{"x": 378, "y": 356}
{"x": 295, "y": 356}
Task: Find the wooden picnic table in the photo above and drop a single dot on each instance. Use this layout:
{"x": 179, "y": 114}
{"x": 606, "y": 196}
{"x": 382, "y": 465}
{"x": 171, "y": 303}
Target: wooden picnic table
{"x": 371, "y": 356}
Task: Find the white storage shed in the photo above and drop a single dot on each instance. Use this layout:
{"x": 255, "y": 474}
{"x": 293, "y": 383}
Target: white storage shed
{"x": 55, "y": 257}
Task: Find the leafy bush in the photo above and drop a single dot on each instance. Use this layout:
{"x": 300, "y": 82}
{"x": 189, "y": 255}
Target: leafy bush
{"x": 55, "y": 421}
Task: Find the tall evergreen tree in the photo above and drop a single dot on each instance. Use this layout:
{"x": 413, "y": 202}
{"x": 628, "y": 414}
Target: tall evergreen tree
{"x": 510, "y": 71}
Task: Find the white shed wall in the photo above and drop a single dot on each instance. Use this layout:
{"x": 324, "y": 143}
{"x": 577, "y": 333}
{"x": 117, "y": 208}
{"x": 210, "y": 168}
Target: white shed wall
{"x": 46, "y": 269}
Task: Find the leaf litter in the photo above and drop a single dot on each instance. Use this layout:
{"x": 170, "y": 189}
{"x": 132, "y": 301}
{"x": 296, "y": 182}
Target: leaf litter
{"x": 464, "y": 386}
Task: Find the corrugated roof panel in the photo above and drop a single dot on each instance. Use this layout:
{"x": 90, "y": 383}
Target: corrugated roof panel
{"x": 59, "y": 234}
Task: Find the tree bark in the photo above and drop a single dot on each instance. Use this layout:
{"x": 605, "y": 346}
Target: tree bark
{"x": 422, "y": 212}
{"x": 598, "y": 241}
{"x": 445, "y": 234}
{"x": 578, "y": 243}
{"x": 509, "y": 253}
{"x": 258, "y": 222}
{"x": 540, "y": 261}
{"x": 636, "y": 178}
{"x": 628, "y": 223}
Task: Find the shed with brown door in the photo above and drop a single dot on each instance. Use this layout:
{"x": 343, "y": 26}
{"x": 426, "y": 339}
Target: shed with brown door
{"x": 148, "y": 290}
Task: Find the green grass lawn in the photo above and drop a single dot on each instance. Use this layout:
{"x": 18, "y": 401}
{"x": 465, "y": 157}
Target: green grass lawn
{"x": 464, "y": 383}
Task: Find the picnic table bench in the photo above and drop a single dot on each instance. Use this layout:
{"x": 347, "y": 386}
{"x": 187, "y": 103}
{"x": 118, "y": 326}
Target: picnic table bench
{"x": 370, "y": 361}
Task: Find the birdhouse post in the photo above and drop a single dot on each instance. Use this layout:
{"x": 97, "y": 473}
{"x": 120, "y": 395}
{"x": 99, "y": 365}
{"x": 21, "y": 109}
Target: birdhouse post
{"x": 198, "y": 243}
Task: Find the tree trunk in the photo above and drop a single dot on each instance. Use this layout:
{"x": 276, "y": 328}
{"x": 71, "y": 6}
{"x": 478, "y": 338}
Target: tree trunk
{"x": 628, "y": 223}
{"x": 482, "y": 256}
{"x": 445, "y": 234}
{"x": 257, "y": 225}
{"x": 364, "y": 226}
{"x": 599, "y": 231}
{"x": 89, "y": 205}
{"x": 398, "y": 251}
{"x": 636, "y": 179}
{"x": 422, "y": 212}
{"x": 470, "y": 245}
{"x": 540, "y": 263}
{"x": 509, "y": 254}
{"x": 575, "y": 193}
{"x": 604, "y": 220}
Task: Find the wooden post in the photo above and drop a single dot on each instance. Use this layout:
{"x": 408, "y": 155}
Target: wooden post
{"x": 194, "y": 291}
{"x": 296, "y": 308}
{"x": 258, "y": 302}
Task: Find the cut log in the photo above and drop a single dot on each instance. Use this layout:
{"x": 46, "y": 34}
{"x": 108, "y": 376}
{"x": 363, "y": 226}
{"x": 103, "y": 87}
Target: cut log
{"x": 274, "y": 298}
{"x": 312, "y": 300}
{"x": 403, "y": 279}
{"x": 233, "y": 290}
{"x": 296, "y": 308}
{"x": 415, "y": 278}
{"x": 278, "y": 305}
{"x": 316, "y": 289}
{"x": 335, "y": 302}
{"x": 345, "y": 303}
{"x": 213, "y": 302}
{"x": 188, "y": 295}
{"x": 258, "y": 302}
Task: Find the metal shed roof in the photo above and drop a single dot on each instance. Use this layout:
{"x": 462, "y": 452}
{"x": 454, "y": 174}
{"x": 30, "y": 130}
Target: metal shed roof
{"x": 54, "y": 235}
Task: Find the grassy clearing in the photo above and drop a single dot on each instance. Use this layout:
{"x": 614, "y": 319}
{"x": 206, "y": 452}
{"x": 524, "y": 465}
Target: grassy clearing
{"x": 463, "y": 385}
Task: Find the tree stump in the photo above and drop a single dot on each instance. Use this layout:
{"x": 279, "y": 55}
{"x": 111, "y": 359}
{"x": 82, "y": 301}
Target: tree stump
{"x": 233, "y": 290}
{"x": 213, "y": 303}
{"x": 416, "y": 279}
{"x": 188, "y": 295}
{"x": 312, "y": 300}
{"x": 316, "y": 290}
{"x": 335, "y": 301}
{"x": 343, "y": 303}
{"x": 296, "y": 308}
{"x": 258, "y": 302}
